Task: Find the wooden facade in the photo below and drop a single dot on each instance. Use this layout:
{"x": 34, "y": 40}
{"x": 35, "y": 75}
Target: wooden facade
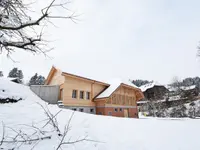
{"x": 79, "y": 85}
{"x": 155, "y": 93}
{"x": 77, "y": 91}
{"x": 121, "y": 103}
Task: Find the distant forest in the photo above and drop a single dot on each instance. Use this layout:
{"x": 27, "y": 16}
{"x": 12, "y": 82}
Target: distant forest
{"x": 185, "y": 82}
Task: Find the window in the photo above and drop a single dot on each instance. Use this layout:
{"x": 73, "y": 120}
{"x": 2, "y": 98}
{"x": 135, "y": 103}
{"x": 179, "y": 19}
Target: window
{"x": 61, "y": 94}
{"x": 110, "y": 113}
{"x": 74, "y": 94}
{"x": 87, "y": 95}
{"x": 100, "y": 113}
{"x": 81, "y": 94}
{"x": 81, "y": 110}
{"x": 91, "y": 110}
{"x": 116, "y": 110}
{"x": 74, "y": 109}
{"x": 120, "y": 109}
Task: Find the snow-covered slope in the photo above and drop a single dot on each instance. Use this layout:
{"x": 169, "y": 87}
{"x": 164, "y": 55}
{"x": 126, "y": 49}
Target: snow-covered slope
{"x": 114, "y": 133}
{"x": 11, "y": 90}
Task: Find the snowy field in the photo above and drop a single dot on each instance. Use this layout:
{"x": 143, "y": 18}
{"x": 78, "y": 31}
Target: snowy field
{"x": 106, "y": 133}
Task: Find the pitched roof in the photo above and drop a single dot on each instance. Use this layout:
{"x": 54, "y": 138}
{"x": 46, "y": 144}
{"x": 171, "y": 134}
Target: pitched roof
{"x": 8, "y": 78}
{"x": 185, "y": 88}
{"x": 12, "y": 78}
{"x": 50, "y": 75}
{"x": 149, "y": 85}
{"x": 84, "y": 78}
{"x": 114, "y": 84}
{"x": 53, "y": 69}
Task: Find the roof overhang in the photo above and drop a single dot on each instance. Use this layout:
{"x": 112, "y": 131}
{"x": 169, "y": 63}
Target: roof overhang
{"x": 84, "y": 78}
{"x": 138, "y": 92}
{"x": 128, "y": 86}
{"x": 50, "y": 75}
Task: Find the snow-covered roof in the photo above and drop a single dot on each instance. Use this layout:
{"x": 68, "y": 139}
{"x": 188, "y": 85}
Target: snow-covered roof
{"x": 114, "y": 84}
{"x": 185, "y": 88}
{"x": 8, "y": 78}
{"x": 11, "y": 79}
{"x": 171, "y": 88}
{"x": 149, "y": 85}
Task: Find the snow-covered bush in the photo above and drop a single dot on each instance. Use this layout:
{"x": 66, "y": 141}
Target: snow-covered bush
{"x": 6, "y": 97}
{"x": 10, "y": 91}
{"x": 178, "y": 112}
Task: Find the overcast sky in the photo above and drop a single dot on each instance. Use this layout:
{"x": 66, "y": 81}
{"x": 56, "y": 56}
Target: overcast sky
{"x": 154, "y": 40}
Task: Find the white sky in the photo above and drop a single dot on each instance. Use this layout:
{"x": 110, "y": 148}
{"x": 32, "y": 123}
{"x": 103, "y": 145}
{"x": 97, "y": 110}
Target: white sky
{"x": 153, "y": 40}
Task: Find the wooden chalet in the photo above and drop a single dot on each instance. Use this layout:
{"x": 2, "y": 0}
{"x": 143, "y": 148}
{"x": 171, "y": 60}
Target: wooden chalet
{"x": 115, "y": 98}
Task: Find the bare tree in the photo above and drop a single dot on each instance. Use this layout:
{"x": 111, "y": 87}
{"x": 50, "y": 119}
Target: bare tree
{"x": 18, "y": 30}
{"x": 176, "y": 84}
{"x": 32, "y": 135}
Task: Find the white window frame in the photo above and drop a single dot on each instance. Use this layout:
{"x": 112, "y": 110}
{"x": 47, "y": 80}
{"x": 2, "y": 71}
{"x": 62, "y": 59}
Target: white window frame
{"x": 87, "y": 95}
{"x": 73, "y": 93}
{"x": 80, "y": 94}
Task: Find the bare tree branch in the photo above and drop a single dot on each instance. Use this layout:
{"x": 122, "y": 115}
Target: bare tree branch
{"x": 30, "y": 140}
{"x": 22, "y": 137}
{"x": 24, "y": 25}
{"x": 52, "y": 118}
{"x": 16, "y": 26}
{"x": 3, "y": 133}
{"x": 66, "y": 130}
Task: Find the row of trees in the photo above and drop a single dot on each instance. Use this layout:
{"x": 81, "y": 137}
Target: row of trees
{"x": 191, "y": 110}
{"x": 140, "y": 82}
{"x": 18, "y": 74}
{"x": 185, "y": 82}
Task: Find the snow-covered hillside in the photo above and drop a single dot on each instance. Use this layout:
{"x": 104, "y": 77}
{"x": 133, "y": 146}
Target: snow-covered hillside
{"x": 11, "y": 90}
{"x": 112, "y": 133}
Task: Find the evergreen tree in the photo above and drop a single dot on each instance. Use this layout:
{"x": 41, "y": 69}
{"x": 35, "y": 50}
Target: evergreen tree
{"x": 40, "y": 80}
{"x": 15, "y": 73}
{"x": 33, "y": 80}
{"x": 37, "y": 80}
{"x": 1, "y": 73}
{"x": 139, "y": 82}
{"x": 20, "y": 74}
